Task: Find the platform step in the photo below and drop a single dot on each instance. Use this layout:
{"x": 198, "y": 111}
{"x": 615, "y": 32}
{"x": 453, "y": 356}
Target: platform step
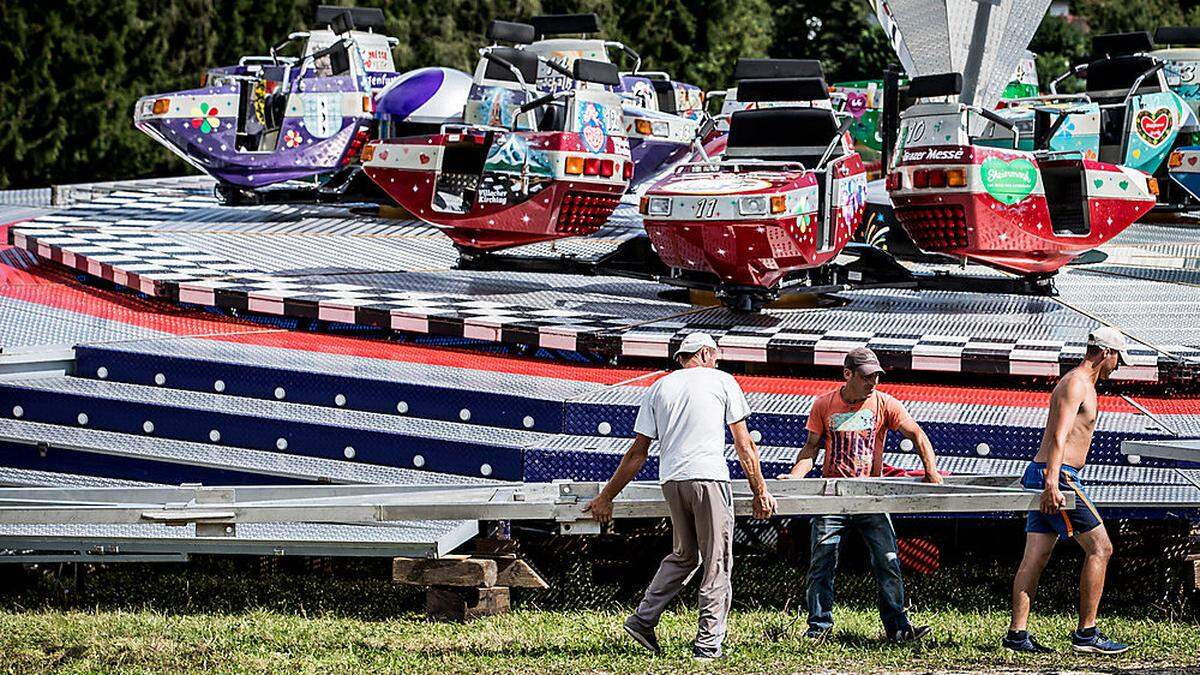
{"x": 378, "y": 385}
{"x": 291, "y": 429}
{"x": 39, "y": 447}
{"x": 13, "y": 477}
{"x": 527, "y": 401}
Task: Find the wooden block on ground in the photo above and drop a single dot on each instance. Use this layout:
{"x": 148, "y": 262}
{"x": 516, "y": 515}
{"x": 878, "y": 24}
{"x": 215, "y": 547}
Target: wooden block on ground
{"x": 496, "y": 547}
{"x": 464, "y": 604}
{"x": 444, "y": 572}
{"x": 517, "y": 573}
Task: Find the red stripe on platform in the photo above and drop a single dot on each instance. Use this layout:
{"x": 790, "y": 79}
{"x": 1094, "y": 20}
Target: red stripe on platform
{"x": 9, "y": 275}
{"x": 53, "y": 286}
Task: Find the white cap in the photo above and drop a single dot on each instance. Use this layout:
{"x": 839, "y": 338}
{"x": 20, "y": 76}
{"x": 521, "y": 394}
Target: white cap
{"x": 1107, "y": 337}
{"x": 694, "y": 342}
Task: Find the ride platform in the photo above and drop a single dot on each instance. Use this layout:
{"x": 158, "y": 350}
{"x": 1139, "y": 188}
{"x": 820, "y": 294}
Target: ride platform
{"x": 169, "y": 239}
{"x": 136, "y": 352}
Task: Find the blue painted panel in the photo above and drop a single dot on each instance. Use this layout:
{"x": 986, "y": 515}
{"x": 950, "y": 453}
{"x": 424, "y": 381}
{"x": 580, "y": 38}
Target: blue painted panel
{"x": 130, "y": 468}
{"x": 370, "y": 395}
{"x": 260, "y": 433}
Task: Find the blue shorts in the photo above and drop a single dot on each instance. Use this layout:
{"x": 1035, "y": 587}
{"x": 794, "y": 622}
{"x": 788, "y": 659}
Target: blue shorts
{"x": 1066, "y": 524}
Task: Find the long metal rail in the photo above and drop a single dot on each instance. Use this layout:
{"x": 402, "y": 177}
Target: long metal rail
{"x": 216, "y": 511}
{"x": 1187, "y": 450}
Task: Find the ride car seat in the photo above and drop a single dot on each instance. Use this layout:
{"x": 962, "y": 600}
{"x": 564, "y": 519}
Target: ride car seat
{"x": 1109, "y": 80}
{"x": 782, "y": 134}
{"x": 665, "y": 91}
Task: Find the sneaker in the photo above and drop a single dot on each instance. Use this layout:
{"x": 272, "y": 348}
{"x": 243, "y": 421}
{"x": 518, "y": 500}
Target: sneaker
{"x": 1023, "y": 642}
{"x": 643, "y": 636}
{"x": 817, "y": 634}
{"x": 1096, "y": 643}
{"x": 910, "y": 634}
{"x": 707, "y": 654}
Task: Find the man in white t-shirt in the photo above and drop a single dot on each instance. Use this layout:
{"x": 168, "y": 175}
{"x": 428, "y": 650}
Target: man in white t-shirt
{"x": 687, "y": 411}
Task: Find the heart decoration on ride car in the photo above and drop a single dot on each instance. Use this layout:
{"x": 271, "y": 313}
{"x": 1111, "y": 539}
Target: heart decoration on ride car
{"x": 1008, "y": 182}
{"x": 1153, "y": 127}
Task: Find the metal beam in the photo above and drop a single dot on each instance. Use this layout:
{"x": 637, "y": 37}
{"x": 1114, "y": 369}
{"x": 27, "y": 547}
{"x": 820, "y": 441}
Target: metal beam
{"x": 89, "y": 557}
{"x": 28, "y": 362}
{"x": 216, "y": 509}
{"x": 1183, "y": 450}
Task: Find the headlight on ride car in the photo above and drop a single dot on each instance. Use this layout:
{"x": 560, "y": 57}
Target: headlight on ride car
{"x": 658, "y": 206}
{"x": 661, "y": 129}
{"x": 755, "y": 205}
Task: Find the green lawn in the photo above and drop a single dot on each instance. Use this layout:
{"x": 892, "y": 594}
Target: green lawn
{"x": 291, "y": 615}
{"x": 534, "y": 641}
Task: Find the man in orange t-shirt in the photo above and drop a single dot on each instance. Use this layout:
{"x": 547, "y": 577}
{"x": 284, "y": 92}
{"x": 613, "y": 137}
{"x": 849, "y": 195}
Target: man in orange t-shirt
{"x": 851, "y": 423}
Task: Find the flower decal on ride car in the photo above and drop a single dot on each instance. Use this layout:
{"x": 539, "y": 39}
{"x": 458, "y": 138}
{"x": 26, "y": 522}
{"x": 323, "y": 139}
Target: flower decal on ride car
{"x": 292, "y": 138}
{"x": 204, "y": 118}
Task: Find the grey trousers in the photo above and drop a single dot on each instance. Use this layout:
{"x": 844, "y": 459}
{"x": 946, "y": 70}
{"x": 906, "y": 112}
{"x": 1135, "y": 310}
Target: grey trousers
{"x": 702, "y": 525}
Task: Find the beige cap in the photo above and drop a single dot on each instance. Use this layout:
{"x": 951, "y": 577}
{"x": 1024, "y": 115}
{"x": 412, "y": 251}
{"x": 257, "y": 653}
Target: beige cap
{"x": 694, "y": 342}
{"x": 1107, "y": 337}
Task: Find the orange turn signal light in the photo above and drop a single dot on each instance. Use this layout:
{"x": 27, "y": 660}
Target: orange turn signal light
{"x": 368, "y": 104}
{"x": 574, "y": 166}
{"x": 1152, "y": 186}
{"x": 1175, "y": 160}
{"x": 368, "y": 153}
{"x": 643, "y": 127}
{"x": 956, "y": 177}
{"x": 161, "y": 106}
{"x": 778, "y": 203}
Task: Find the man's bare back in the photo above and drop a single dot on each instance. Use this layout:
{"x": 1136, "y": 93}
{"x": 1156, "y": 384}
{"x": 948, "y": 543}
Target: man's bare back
{"x": 1073, "y": 397}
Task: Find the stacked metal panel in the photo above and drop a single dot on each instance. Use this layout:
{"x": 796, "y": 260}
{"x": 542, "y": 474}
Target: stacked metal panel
{"x": 939, "y": 36}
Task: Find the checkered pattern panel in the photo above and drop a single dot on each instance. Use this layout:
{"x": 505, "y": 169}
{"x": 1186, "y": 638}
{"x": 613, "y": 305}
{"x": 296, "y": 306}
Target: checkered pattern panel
{"x": 111, "y": 238}
{"x": 899, "y": 351}
{"x": 117, "y": 235}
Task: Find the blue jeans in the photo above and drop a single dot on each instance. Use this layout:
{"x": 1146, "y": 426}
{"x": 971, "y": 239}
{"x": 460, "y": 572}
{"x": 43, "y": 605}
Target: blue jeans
{"x": 876, "y": 530}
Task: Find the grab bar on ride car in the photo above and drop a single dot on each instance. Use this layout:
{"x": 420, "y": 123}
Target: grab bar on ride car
{"x": 637, "y": 58}
{"x": 1137, "y": 84}
{"x": 997, "y": 119}
{"x": 842, "y": 129}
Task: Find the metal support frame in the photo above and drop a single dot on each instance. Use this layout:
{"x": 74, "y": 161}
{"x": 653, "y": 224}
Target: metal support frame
{"x": 91, "y": 557}
{"x": 983, "y": 16}
{"x": 217, "y": 510}
{"x": 1177, "y": 449}
{"x": 36, "y": 362}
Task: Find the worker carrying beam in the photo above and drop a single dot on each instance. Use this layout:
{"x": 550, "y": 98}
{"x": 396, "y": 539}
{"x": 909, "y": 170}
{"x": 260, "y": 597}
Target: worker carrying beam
{"x": 687, "y": 412}
{"x": 851, "y": 424}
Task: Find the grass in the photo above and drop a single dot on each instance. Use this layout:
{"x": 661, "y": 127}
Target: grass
{"x": 535, "y": 641}
{"x": 292, "y": 615}
{"x": 235, "y": 616}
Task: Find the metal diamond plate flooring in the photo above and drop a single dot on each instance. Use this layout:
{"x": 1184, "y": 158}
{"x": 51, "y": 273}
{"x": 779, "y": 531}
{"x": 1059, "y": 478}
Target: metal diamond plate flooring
{"x": 155, "y": 235}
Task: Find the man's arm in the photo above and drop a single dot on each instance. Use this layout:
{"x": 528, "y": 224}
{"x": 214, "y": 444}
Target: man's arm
{"x": 1064, "y": 406}
{"x": 601, "y": 507}
{"x": 747, "y": 452}
{"x": 808, "y": 454}
{"x": 913, "y": 432}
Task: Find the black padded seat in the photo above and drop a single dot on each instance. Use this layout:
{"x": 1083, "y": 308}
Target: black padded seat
{"x": 665, "y": 91}
{"x": 1118, "y": 75}
{"x": 783, "y": 134}
{"x": 770, "y": 69}
{"x": 526, "y": 62}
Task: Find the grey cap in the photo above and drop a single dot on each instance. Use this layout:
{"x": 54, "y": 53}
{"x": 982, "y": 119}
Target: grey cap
{"x": 863, "y": 361}
{"x": 694, "y": 342}
{"x": 1107, "y": 337}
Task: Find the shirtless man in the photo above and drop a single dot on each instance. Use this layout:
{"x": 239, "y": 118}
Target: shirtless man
{"x": 1063, "y": 453}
